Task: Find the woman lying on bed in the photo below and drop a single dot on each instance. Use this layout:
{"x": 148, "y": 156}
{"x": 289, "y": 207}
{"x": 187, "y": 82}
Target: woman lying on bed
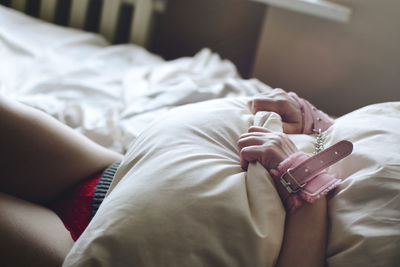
{"x": 44, "y": 177}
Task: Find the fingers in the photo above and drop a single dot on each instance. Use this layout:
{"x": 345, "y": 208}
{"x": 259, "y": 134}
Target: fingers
{"x": 264, "y": 154}
{"x": 271, "y": 101}
{"x": 268, "y": 148}
{"x": 250, "y": 145}
{"x": 249, "y": 154}
{"x": 250, "y": 141}
{"x": 266, "y": 103}
{"x": 255, "y": 136}
{"x": 291, "y": 128}
{"x": 282, "y": 103}
{"x": 254, "y": 129}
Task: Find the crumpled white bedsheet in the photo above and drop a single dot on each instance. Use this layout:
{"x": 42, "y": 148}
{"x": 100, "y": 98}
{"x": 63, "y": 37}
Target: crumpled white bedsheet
{"x": 110, "y": 93}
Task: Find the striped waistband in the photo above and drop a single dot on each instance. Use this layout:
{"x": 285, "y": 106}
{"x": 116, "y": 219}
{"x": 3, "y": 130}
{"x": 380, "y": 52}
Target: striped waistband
{"x": 102, "y": 186}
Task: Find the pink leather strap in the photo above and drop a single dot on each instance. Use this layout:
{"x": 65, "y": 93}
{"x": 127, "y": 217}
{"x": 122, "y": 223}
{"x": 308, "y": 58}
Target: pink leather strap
{"x": 305, "y": 171}
{"x": 313, "y": 118}
{"x": 300, "y": 178}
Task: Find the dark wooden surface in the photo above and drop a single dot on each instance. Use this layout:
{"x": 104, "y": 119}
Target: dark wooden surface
{"x": 229, "y": 27}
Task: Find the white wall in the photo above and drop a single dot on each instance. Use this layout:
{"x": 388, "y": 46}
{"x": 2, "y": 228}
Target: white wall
{"x": 339, "y": 67}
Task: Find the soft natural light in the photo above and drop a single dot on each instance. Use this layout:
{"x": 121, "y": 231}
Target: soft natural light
{"x": 319, "y": 8}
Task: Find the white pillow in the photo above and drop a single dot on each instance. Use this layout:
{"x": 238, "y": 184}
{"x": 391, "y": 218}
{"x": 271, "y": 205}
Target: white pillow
{"x": 183, "y": 200}
{"x": 365, "y": 213}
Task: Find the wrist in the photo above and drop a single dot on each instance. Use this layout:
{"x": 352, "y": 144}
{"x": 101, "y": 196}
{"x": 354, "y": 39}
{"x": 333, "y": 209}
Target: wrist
{"x": 293, "y": 192}
{"x": 300, "y": 179}
{"x": 313, "y": 119}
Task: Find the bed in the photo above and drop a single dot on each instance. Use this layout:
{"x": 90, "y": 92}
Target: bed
{"x": 180, "y": 197}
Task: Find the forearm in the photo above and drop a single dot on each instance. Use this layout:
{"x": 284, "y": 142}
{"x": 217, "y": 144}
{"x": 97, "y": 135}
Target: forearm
{"x": 305, "y": 237}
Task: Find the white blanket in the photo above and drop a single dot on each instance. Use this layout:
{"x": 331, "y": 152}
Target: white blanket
{"x": 108, "y": 93}
{"x": 112, "y": 93}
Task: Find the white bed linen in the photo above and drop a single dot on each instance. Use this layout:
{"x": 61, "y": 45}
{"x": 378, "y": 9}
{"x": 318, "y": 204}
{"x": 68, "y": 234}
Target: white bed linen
{"x": 180, "y": 197}
{"x": 112, "y": 93}
{"x": 108, "y": 93}
{"x": 184, "y": 200}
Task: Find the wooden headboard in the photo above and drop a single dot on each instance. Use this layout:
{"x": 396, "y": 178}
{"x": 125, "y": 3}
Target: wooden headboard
{"x": 118, "y": 20}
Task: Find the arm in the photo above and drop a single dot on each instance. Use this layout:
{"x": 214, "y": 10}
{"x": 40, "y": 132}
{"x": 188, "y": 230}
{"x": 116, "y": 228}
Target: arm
{"x": 305, "y": 237}
{"x": 306, "y": 229}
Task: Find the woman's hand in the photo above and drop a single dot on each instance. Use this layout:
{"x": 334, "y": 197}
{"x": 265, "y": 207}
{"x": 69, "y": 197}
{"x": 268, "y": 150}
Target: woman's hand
{"x": 269, "y": 148}
{"x": 280, "y": 102}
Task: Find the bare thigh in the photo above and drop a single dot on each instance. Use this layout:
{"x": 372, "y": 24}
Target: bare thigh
{"x": 41, "y": 157}
{"x": 31, "y": 235}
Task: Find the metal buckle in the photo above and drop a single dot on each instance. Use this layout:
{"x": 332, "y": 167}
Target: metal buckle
{"x": 287, "y": 184}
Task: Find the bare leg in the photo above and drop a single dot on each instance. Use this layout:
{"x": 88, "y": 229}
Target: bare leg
{"x": 41, "y": 157}
{"x": 31, "y": 235}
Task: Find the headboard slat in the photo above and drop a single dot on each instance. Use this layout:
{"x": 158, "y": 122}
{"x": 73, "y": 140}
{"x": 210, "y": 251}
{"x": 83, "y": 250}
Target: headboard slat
{"x": 78, "y": 13}
{"x": 48, "y": 9}
{"x": 141, "y": 22}
{"x": 108, "y": 21}
{"x": 103, "y": 16}
{"x": 19, "y": 5}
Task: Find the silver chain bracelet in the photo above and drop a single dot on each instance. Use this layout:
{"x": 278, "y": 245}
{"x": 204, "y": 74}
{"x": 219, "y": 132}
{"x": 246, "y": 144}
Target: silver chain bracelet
{"x": 319, "y": 141}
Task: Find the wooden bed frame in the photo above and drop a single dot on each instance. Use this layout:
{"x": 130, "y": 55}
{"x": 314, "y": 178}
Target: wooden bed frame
{"x": 106, "y": 14}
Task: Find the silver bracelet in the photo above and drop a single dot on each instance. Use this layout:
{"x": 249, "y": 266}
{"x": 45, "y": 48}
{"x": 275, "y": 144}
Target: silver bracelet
{"x": 319, "y": 141}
